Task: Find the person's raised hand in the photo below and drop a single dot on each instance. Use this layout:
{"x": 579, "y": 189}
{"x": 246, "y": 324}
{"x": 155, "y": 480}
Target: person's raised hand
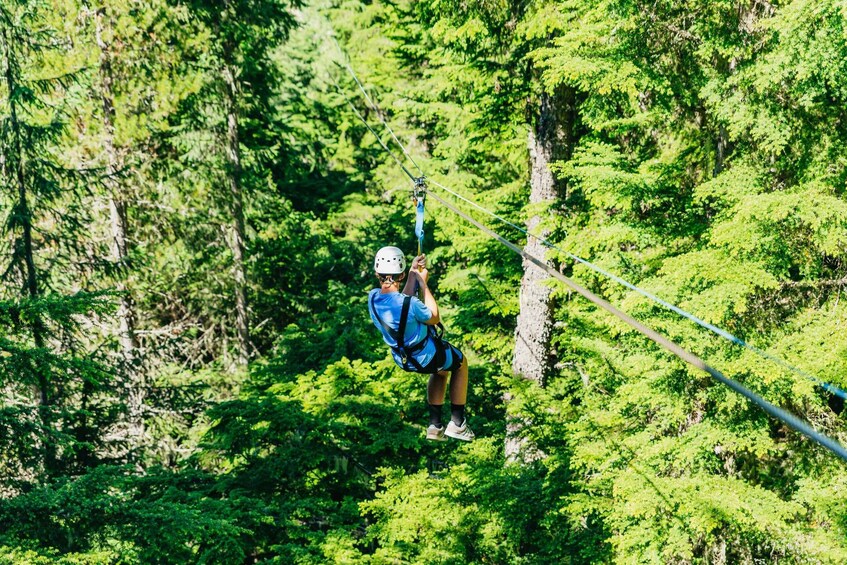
{"x": 418, "y": 263}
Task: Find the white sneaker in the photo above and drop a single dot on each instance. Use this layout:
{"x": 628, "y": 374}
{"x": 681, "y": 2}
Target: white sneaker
{"x": 435, "y": 433}
{"x": 462, "y": 432}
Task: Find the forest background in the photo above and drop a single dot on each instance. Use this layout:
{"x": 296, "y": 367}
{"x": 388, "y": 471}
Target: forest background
{"x": 190, "y": 207}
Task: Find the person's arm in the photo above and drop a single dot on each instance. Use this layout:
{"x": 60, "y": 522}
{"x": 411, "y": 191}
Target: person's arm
{"x": 411, "y": 287}
{"x": 428, "y": 298}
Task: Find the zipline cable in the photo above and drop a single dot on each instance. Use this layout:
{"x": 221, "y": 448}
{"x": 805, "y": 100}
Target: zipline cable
{"x": 775, "y": 411}
{"x": 370, "y": 129}
{"x": 831, "y": 388}
{"x": 374, "y": 106}
{"x": 702, "y": 323}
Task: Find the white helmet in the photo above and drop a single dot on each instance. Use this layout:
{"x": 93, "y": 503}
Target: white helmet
{"x": 389, "y": 261}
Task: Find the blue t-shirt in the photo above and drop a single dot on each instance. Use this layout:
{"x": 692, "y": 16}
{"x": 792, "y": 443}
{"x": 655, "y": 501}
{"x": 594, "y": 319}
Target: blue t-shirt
{"x": 389, "y": 306}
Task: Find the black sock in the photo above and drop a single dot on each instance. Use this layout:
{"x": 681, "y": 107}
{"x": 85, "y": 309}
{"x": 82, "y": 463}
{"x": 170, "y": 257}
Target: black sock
{"x": 457, "y": 413}
{"x": 435, "y": 414}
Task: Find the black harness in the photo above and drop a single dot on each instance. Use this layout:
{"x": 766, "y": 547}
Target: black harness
{"x": 407, "y": 353}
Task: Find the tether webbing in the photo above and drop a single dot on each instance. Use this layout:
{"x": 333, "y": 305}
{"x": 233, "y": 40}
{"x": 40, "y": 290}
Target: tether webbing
{"x": 419, "y": 222}
{"x": 775, "y": 411}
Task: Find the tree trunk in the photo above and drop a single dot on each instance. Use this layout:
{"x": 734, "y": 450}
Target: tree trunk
{"x": 24, "y": 216}
{"x": 236, "y": 203}
{"x": 550, "y": 140}
{"x": 118, "y": 223}
{"x": 17, "y": 162}
{"x": 720, "y": 150}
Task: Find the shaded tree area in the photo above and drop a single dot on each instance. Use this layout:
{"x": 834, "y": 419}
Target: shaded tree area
{"x": 190, "y": 212}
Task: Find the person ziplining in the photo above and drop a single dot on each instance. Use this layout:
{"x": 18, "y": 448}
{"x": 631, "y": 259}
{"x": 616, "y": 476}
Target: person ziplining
{"x": 410, "y": 327}
{"x": 458, "y": 382}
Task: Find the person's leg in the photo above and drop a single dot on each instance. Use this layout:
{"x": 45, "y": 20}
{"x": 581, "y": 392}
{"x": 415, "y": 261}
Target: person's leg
{"x": 435, "y": 390}
{"x": 459, "y": 384}
{"x": 458, "y": 426}
{"x": 436, "y": 387}
{"x": 459, "y": 392}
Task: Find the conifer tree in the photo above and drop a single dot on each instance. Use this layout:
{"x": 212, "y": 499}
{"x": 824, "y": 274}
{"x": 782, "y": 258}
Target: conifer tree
{"x": 43, "y": 352}
{"x": 119, "y": 229}
{"x": 703, "y": 160}
{"x": 140, "y": 79}
{"x": 239, "y": 82}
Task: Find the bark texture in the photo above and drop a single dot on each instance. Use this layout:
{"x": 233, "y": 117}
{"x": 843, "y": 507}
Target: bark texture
{"x": 136, "y": 385}
{"x": 550, "y": 140}
{"x": 236, "y": 203}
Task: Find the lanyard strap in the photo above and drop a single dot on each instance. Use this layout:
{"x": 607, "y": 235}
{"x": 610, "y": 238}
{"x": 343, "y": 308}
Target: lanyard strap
{"x": 419, "y": 196}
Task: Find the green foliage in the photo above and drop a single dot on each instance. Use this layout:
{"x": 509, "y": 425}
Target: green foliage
{"x": 707, "y": 167}
{"x": 683, "y": 200}
{"x": 110, "y": 516}
{"x": 57, "y": 391}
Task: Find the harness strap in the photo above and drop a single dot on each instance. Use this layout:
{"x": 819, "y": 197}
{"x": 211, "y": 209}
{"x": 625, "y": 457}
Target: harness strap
{"x": 404, "y": 316}
{"x": 406, "y": 353}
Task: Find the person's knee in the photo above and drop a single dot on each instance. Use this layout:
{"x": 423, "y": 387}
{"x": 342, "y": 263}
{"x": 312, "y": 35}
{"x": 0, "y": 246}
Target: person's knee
{"x": 462, "y": 368}
{"x": 457, "y": 354}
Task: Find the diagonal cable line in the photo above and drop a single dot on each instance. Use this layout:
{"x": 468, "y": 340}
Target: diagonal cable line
{"x": 374, "y": 106}
{"x": 482, "y": 209}
{"x": 700, "y": 322}
{"x": 370, "y": 129}
{"x": 779, "y": 413}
